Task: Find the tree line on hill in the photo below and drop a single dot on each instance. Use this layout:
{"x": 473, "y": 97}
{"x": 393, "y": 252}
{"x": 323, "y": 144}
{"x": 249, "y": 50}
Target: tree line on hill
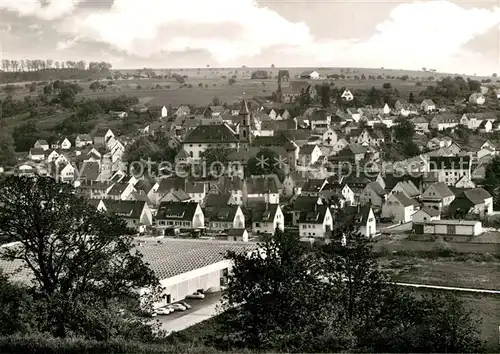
{"x": 452, "y": 88}
{"x": 444, "y": 91}
{"x": 329, "y": 93}
{"x": 287, "y": 296}
{"x": 40, "y": 70}
{"x": 38, "y": 64}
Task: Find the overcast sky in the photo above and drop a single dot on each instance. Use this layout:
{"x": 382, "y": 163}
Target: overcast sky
{"x": 451, "y": 36}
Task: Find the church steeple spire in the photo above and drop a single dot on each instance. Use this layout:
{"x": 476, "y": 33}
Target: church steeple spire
{"x": 244, "y": 107}
{"x": 244, "y": 129}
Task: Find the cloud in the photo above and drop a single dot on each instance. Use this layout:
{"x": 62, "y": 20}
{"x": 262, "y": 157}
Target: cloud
{"x": 430, "y": 33}
{"x": 48, "y": 10}
{"x": 423, "y": 33}
{"x": 146, "y": 27}
{"x": 66, "y": 44}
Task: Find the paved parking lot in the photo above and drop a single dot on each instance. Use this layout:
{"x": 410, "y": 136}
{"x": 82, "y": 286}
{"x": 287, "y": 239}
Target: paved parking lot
{"x": 200, "y": 310}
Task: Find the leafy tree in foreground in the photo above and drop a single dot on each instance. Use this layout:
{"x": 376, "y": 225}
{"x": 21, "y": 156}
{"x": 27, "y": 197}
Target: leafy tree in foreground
{"x": 81, "y": 260}
{"x": 385, "y": 318}
{"x": 429, "y": 323}
{"x": 276, "y": 300}
{"x": 15, "y": 311}
{"x": 351, "y": 267}
{"x": 333, "y": 297}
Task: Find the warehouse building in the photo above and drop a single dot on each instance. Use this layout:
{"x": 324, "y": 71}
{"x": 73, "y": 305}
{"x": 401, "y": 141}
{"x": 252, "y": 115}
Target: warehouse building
{"x": 182, "y": 266}
{"x": 449, "y": 227}
{"x": 185, "y": 266}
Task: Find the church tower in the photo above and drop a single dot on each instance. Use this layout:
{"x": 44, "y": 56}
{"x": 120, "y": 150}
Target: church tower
{"x": 245, "y": 132}
{"x": 279, "y": 94}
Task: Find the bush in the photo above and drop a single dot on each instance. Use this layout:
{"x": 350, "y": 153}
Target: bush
{"x": 44, "y": 344}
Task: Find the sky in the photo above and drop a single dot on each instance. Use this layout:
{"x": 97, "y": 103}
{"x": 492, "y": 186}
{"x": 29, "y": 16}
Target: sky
{"x": 449, "y": 36}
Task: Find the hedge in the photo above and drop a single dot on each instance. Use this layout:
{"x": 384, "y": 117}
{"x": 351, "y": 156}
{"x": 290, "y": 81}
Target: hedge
{"x": 45, "y": 344}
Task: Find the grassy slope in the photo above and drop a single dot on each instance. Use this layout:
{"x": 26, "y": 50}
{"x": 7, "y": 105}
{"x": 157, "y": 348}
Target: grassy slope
{"x": 467, "y": 270}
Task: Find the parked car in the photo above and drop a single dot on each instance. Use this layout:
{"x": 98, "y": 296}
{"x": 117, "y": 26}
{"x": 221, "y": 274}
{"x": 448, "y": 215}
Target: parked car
{"x": 163, "y": 311}
{"x": 185, "y": 304}
{"x": 195, "y": 295}
{"x": 179, "y": 307}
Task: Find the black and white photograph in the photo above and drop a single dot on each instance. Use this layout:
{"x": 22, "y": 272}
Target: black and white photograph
{"x": 249, "y": 176}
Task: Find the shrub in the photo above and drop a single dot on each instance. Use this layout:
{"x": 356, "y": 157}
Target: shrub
{"x": 45, "y": 344}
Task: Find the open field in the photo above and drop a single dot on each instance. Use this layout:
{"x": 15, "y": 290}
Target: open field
{"x": 488, "y": 242}
{"x": 468, "y": 270}
{"x": 465, "y": 271}
{"x": 246, "y": 72}
{"x": 214, "y": 82}
{"x": 172, "y": 93}
{"x": 206, "y": 83}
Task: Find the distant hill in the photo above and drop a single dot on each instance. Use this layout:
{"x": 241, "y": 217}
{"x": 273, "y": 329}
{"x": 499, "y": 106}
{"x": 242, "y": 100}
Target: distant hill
{"x": 52, "y": 74}
{"x": 323, "y": 71}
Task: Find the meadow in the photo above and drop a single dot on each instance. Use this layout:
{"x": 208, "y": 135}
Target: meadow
{"x": 462, "y": 271}
{"x": 207, "y": 83}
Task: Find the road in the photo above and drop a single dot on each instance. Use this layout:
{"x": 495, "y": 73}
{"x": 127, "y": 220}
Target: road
{"x": 201, "y": 310}
{"x": 189, "y": 319}
{"x": 450, "y": 288}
